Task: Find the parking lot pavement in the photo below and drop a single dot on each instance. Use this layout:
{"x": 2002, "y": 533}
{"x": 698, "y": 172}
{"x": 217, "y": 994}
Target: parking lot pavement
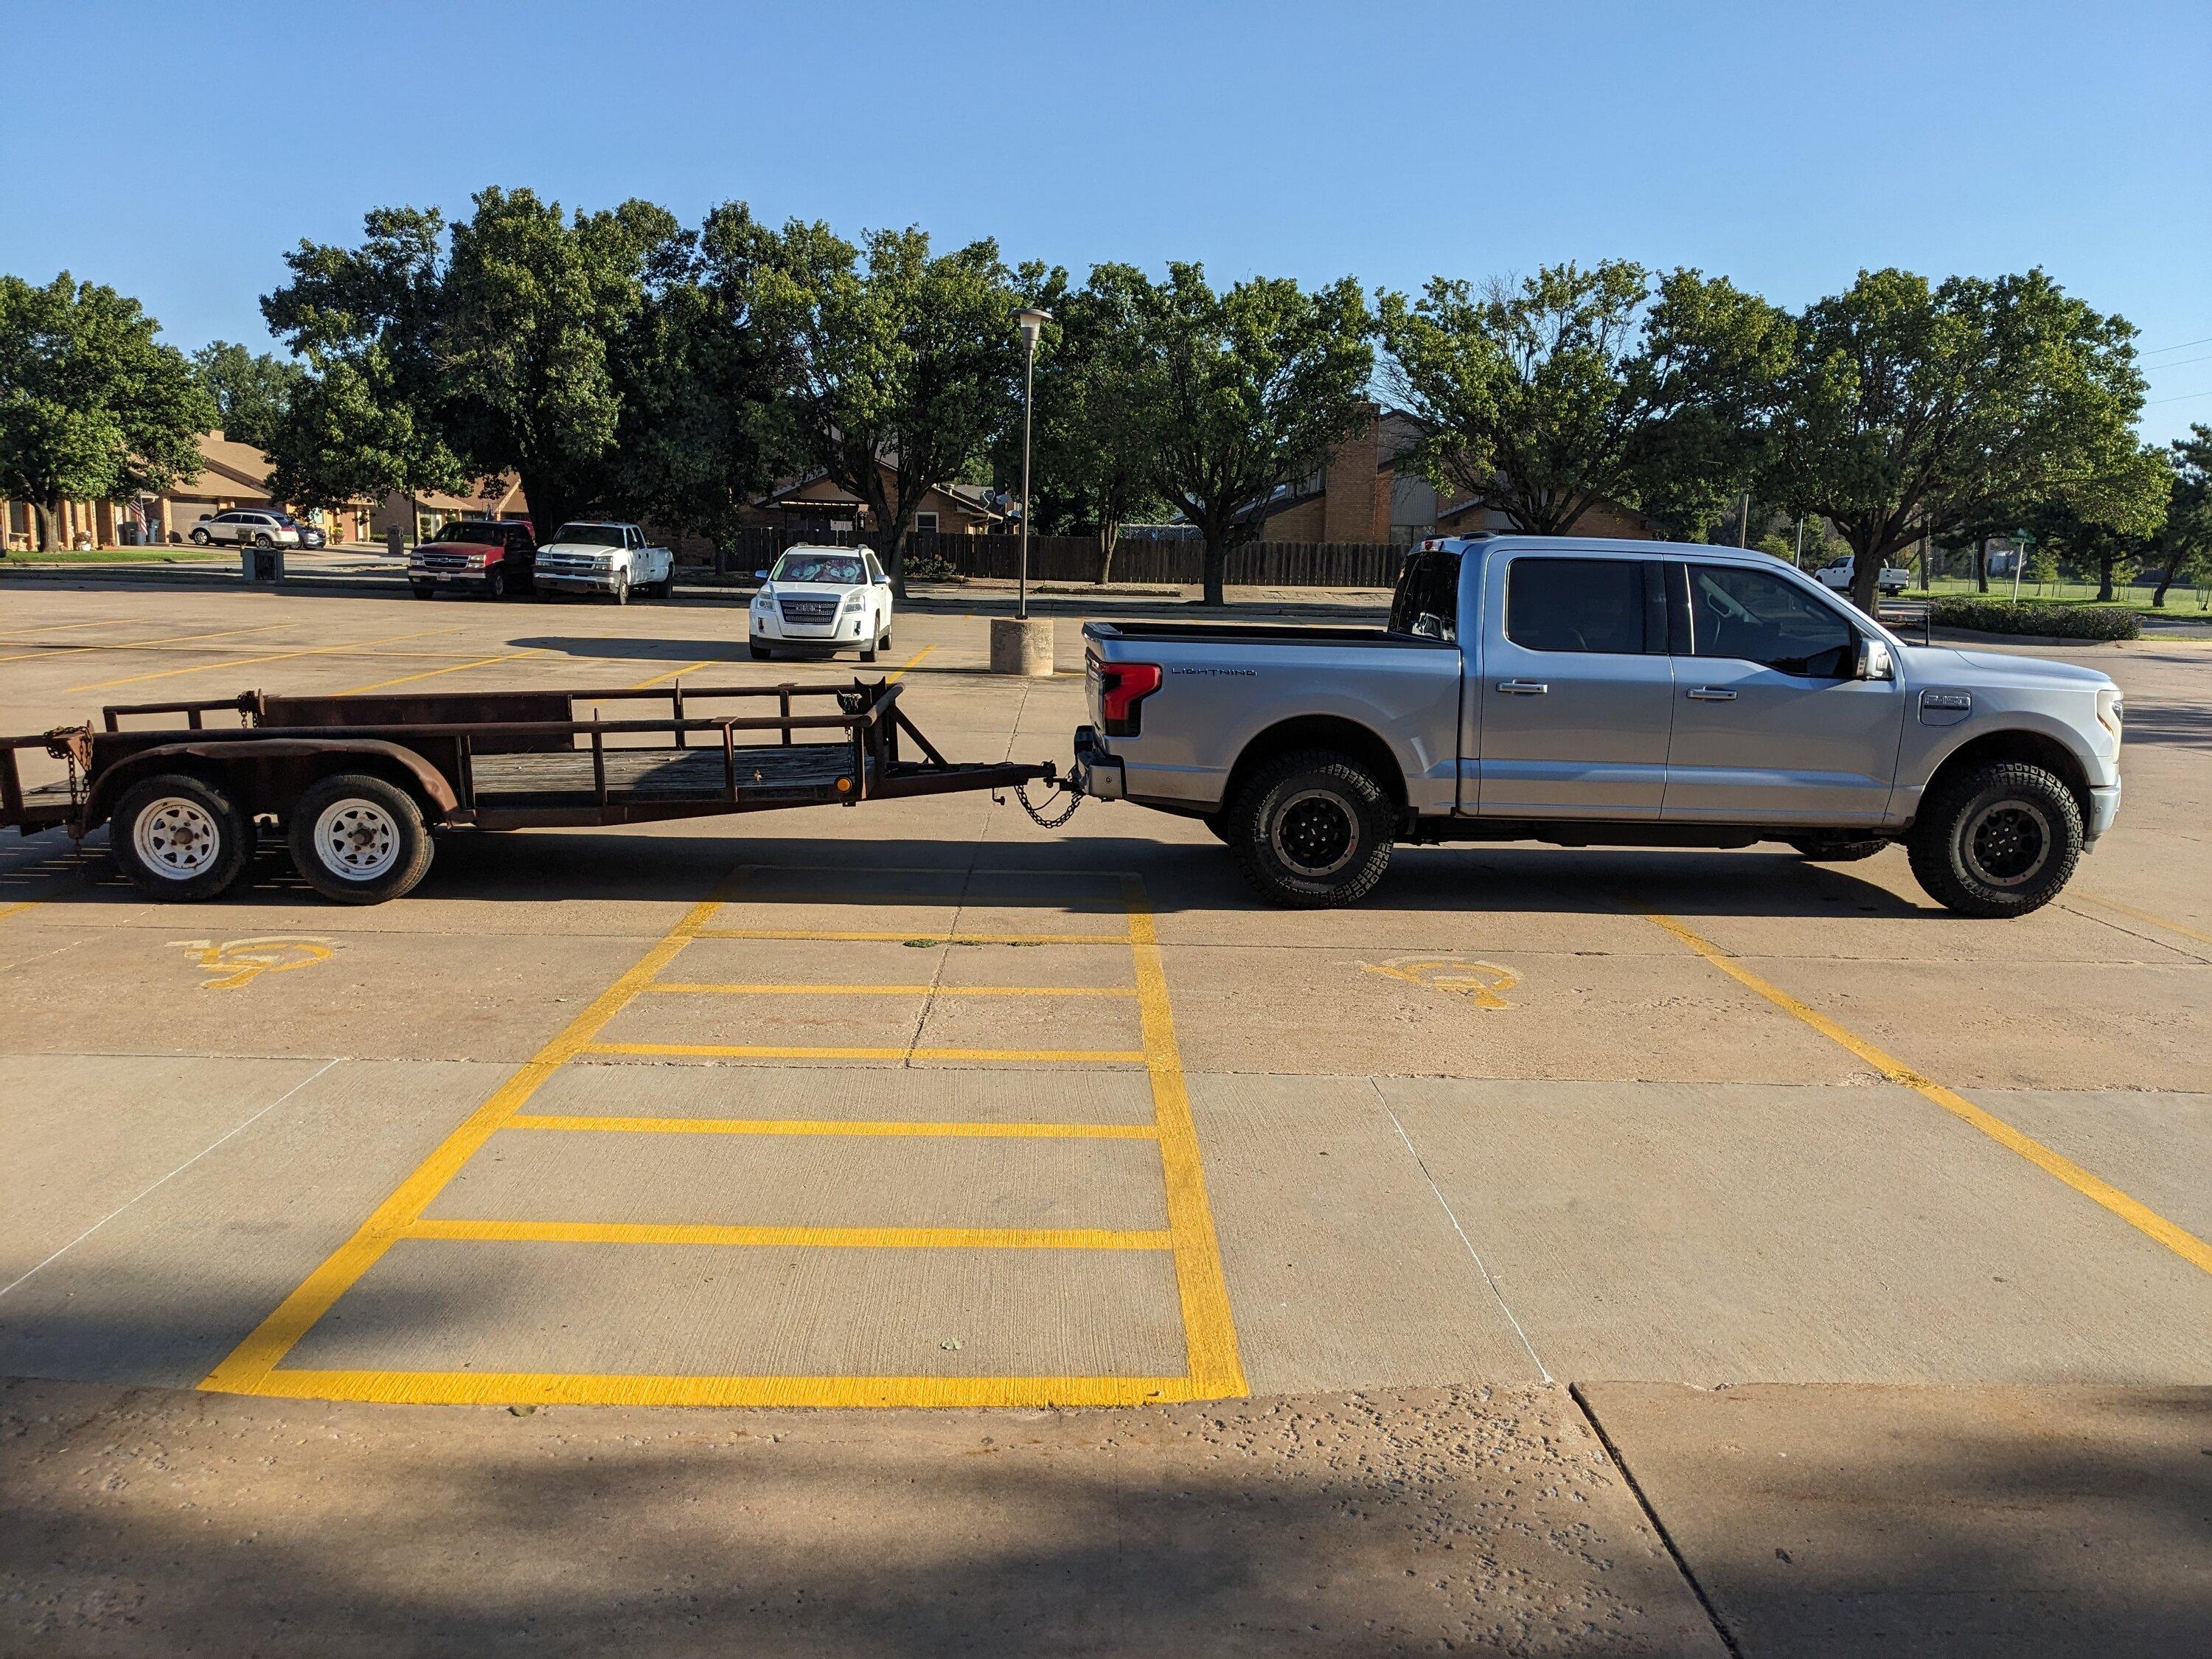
{"x": 921, "y": 1104}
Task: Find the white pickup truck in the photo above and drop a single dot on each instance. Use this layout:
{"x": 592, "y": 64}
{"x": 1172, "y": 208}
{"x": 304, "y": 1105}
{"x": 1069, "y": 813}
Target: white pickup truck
{"x": 1837, "y": 575}
{"x": 602, "y": 557}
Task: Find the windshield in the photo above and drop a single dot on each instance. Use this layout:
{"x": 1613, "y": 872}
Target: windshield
{"x": 590, "y": 535}
{"x": 842, "y": 569}
{"x": 464, "y": 531}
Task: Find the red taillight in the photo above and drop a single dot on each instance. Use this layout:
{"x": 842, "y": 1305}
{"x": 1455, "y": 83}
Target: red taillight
{"x": 1122, "y": 687}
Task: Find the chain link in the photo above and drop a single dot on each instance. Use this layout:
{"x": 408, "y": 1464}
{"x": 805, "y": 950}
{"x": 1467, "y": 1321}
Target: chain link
{"x": 1074, "y": 800}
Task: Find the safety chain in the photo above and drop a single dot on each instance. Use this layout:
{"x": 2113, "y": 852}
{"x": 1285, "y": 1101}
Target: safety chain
{"x": 1074, "y": 800}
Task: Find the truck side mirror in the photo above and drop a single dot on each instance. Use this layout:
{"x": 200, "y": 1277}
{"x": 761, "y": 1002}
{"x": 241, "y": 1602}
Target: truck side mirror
{"x": 1874, "y": 661}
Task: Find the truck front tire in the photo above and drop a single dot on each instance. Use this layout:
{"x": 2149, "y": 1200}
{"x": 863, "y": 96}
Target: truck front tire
{"x": 1998, "y": 841}
{"x": 180, "y": 839}
{"x": 359, "y": 840}
{"x": 1311, "y": 830}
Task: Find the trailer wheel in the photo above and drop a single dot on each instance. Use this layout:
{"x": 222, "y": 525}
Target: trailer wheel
{"x": 179, "y": 838}
{"x": 1311, "y": 830}
{"x": 359, "y": 840}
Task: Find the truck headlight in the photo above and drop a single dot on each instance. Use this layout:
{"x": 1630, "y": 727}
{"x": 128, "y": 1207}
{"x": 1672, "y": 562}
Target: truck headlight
{"x": 851, "y": 601}
{"x": 2110, "y": 707}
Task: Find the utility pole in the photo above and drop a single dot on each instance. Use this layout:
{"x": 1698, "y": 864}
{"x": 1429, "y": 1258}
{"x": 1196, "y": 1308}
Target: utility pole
{"x": 1743, "y": 524}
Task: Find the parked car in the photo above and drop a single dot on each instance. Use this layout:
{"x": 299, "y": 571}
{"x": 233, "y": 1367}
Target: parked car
{"x": 1593, "y": 693}
{"x": 308, "y": 534}
{"x": 604, "y": 556}
{"x": 494, "y": 556}
{"x": 1837, "y": 575}
{"x": 247, "y": 528}
{"x": 817, "y": 601}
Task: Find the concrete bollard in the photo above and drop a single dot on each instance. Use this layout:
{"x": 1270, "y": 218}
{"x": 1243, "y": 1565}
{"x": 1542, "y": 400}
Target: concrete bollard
{"x": 1022, "y": 645}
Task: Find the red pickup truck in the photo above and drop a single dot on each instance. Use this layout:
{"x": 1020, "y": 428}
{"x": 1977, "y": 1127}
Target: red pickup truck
{"x": 493, "y": 555}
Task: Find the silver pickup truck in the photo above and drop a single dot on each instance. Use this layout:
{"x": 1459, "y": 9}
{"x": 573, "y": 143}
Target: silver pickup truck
{"x": 1592, "y": 693}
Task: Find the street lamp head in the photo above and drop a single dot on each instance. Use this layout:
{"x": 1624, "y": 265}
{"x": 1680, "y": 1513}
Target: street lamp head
{"x": 1031, "y": 320}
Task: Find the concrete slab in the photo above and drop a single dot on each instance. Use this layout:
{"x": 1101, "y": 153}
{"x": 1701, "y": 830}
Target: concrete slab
{"x": 1477, "y": 1520}
{"x": 810, "y": 1181}
{"x": 1748, "y": 1233}
{"x": 2009, "y": 1522}
{"x": 753, "y": 1311}
{"x": 996, "y": 1095}
{"x": 2155, "y": 1144}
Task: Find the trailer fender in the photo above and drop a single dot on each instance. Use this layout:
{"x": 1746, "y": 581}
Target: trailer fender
{"x": 268, "y": 774}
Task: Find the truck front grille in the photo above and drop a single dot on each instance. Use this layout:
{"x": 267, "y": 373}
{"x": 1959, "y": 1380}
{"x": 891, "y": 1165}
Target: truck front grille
{"x": 808, "y": 611}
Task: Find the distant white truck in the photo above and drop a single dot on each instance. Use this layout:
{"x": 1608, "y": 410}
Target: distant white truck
{"x": 1837, "y": 575}
{"x": 607, "y": 557}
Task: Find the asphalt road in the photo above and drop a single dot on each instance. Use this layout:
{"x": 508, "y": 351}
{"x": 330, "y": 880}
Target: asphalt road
{"x": 916, "y": 1103}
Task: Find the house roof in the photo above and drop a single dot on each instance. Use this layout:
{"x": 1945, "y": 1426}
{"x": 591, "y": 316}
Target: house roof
{"x": 969, "y": 498}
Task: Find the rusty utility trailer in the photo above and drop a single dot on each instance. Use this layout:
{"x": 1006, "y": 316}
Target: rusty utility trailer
{"x": 359, "y": 783}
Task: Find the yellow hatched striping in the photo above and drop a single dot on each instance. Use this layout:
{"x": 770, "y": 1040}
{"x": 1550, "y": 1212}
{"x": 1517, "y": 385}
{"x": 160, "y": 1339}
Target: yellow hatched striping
{"x": 824, "y": 1126}
{"x": 769, "y": 1051}
{"x": 917, "y": 936}
{"x": 280, "y": 656}
{"x": 809, "y": 1238}
{"x": 141, "y": 645}
{"x": 433, "y": 673}
{"x": 917, "y": 990}
{"x": 1214, "y": 1370}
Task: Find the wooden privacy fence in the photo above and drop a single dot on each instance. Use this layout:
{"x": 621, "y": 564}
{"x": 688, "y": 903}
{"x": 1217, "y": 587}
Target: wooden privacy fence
{"x": 1075, "y": 559}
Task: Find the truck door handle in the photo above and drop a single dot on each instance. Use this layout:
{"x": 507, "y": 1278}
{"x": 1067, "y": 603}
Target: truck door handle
{"x": 1523, "y": 688}
{"x": 1712, "y": 694}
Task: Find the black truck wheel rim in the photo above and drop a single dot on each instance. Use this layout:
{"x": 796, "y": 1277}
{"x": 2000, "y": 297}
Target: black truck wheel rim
{"x": 1315, "y": 834}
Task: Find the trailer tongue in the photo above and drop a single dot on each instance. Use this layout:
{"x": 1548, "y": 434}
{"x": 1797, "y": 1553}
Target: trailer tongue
{"x": 360, "y": 781}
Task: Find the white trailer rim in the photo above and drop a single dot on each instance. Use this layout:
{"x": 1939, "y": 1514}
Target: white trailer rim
{"x": 356, "y": 839}
{"x": 176, "y": 838}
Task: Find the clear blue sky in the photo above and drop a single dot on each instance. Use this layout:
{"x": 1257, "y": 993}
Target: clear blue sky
{"x": 176, "y": 151}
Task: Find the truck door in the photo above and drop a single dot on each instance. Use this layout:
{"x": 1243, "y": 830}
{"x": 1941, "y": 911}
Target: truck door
{"x": 1771, "y": 725}
{"x": 1577, "y": 692}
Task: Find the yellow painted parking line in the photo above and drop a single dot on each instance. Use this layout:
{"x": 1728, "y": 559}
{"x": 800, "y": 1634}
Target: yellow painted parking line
{"x": 573, "y": 1388}
{"x": 809, "y": 1238}
{"x": 8, "y": 910}
{"x": 687, "y": 668}
{"x": 433, "y": 673}
{"x": 142, "y": 645}
{"x": 921, "y": 936}
{"x": 247, "y": 662}
{"x": 762, "y": 1051}
{"x": 900, "y": 671}
{"x": 820, "y": 1125}
{"x": 248, "y": 1366}
{"x": 1209, "y": 1329}
{"x": 2182, "y": 928}
{"x": 2145, "y": 1220}
{"x": 668, "y": 989}
{"x": 64, "y": 628}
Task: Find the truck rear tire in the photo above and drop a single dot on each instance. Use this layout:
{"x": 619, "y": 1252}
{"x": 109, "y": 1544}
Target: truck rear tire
{"x": 1311, "y": 830}
{"x": 1998, "y": 841}
{"x": 179, "y": 838}
{"x": 359, "y": 840}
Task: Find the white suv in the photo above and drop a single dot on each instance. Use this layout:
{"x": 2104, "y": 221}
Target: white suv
{"x": 822, "y": 600}
{"x": 247, "y": 528}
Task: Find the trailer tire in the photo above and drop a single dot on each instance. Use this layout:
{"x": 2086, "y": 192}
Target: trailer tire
{"x": 1311, "y": 830}
{"x": 179, "y": 838}
{"x": 1998, "y": 841}
{"x": 359, "y": 840}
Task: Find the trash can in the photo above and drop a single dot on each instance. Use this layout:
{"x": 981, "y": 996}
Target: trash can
{"x": 262, "y": 564}
{"x": 132, "y": 535}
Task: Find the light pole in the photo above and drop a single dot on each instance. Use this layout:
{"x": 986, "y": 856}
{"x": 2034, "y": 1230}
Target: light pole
{"x": 1030, "y": 319}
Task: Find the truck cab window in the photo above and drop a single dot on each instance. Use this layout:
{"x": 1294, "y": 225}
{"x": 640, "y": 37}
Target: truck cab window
{"x": 1756, "y": 617}
{"x": 1602, "y": 605}
{"x": 1426, "y": 602}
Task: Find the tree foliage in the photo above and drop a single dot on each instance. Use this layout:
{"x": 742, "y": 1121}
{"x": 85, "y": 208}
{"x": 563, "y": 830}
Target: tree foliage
{"x": 1238, "y": 393}
{"x": 92, "y": 407}
{"x": 1913, "y": 410}
{"x": 1578, "y": 386}
{"x": 901, "y": 361}
{"x": 251, "y": 390}
{"x": 2184, "y": 544}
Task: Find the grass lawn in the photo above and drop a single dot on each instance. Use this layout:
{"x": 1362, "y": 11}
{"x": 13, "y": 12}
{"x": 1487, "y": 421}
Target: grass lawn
{"x": 115, "y": 555}
{"x": 2182, "y": 601}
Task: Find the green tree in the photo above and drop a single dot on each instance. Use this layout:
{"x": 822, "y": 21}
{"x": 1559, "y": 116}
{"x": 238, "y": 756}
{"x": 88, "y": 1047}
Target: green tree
{"x": 2107, "y": 523}
{"x": 251, "y": 391}
{"x": 1575, "y": 387}
{"x": 2185, "y": 542}
{"x": 1094, "y": 445}
{"x": 1241, "y": 392}
{"x": 92, "y": 407}
{"x": 1914, "y": 410}
{"x": 901, "y": 361}
{"x": 368, "y": 420}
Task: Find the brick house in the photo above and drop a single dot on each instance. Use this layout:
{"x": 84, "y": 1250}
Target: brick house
{"x": 422, "y": 515}
{"x": 812, "y": 505}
